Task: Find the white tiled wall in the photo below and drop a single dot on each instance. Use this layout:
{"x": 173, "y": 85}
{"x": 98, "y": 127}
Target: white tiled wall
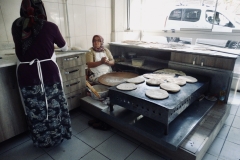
{"x": 86, "y": 18}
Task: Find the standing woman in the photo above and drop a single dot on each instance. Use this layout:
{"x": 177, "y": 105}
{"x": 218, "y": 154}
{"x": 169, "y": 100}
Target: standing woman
{"x": 38, "y": 75}
{"x": 99, "y": 59}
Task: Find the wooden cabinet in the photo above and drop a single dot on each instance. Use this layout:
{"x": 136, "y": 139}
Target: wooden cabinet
{"x": 203, "y": 60}
{"x": 12, "y": 117}
{"x": 72, "y": 69}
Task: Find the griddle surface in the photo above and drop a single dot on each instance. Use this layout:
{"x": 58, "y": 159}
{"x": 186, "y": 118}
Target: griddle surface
{"x": 171, "y": 102}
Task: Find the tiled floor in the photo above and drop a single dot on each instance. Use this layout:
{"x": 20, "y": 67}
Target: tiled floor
{"x": 90, "y": 144}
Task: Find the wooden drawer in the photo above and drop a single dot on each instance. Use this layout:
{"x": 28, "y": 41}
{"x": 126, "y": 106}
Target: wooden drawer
{"x": 74, "y": 98}
{"x": 225, "y": 63}
{"x": 71, "y": 61}
{"x": 74, "y": 84}
{"x": 203, "y": 60}
{"x": 184, "y": 57}
{"x": 208, "y": 61}
{"x": 72, "y": 73}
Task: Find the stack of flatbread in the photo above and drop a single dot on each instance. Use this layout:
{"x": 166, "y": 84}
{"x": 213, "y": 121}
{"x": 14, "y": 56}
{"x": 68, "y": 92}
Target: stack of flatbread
{"x": 136, "y": 80}
{"x": 177, "y": 81}
{"x": 171, "y": 87}
{"x": 188, "y": 79}
{"x": 156, "y": 93}
{"x": 157, "y": 76}
{"x": 126, "y": 86}
{"x": 170, "y": 72}
{"x": 155, "y": 81}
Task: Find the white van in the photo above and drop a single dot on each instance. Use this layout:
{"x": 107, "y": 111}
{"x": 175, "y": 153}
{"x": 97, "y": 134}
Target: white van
{"x": 201, "y": 18}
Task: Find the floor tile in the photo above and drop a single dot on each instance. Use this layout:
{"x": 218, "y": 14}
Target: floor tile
{"x": 44, "y": 157}
{"x": 234, "y": 136}
{"x": 230, "y": 151}
{"x": 236, "y": 122}
{"x": 223, "y": 132}
{"x": 216, "y": 147}
{"x": 234, "y": 109}
{"x": 79, "y": 124}
{"x": 117, "y": 147}
{"x": 143, "y": 154}
{"x": 23, "y": 151}
{"x": 128, "y": 137}
{"x": 75, "y": 112}
{"x": 13, "y": 142}
{"x": 229, "y": 120}
{"x": 238, "y": 112}
{"x": 94, "y": 155}
{"x": 154, "y": 151}
{"x": 72, "y": 149}
{"x": 94, "y": 137}
{"x": 209, "y": 157}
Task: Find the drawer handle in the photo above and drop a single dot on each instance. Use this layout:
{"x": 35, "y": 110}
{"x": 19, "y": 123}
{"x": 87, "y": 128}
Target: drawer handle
{"x": 75, "y": 95}
{"x": 202, "y": 61}
{"x": 69, "y": 85}
{"x": 194, "y": 60}
{"x": 72, "y": 58}
{"x": 72, "y": 71}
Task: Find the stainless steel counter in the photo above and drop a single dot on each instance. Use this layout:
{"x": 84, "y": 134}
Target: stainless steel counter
{"x": 8, "y": 57}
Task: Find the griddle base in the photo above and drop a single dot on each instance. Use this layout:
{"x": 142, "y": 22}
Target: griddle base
{"x": 178, "y": 130}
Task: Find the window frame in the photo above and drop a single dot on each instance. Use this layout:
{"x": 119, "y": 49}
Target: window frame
{"x": 193, "y": 33}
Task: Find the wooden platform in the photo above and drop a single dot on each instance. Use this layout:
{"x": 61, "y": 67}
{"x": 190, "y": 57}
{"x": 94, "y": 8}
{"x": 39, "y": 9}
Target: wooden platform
{"x": 193, "y": 147}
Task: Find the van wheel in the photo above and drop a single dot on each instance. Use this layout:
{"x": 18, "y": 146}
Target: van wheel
{"x": 234, "y": 45}
{"x": 173, "y": 39}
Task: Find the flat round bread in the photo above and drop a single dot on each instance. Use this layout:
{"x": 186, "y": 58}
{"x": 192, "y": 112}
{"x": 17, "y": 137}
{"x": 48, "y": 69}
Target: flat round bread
{"x": 178, "y": 81}
{"x": 156, "y": 93}
{"x": 188, "y": 79}
{"x": 157, "y": 76}
{"x": 170, "y": 71}
{"x": 136, "y": 80}
{"x": 155, "y": 82}
{"x": 172, "y": 87}
{"x": 126, "y": 86}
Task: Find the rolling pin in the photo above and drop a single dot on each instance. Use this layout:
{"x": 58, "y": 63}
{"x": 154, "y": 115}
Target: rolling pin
{"x": 92, "y": 89}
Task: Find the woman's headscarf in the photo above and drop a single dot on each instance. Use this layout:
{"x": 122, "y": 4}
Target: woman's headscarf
{"x": 32, "y": 18}
{"x": 101, "y": 48}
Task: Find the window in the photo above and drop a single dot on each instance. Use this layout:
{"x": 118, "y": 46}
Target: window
{"x": 176, "y": 15}
{"x": 188, "y": 21}
{"x": 191, "y": 15}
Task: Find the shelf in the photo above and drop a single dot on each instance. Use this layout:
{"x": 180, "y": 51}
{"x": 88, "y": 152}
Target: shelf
{"x": 150, "y": 66}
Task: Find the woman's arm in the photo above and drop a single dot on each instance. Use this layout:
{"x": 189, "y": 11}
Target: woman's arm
{"x": 97, "y": 63}
{"x": 110, "y": 63}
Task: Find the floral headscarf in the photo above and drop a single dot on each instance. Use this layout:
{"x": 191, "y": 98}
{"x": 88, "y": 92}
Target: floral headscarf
{"x": 101, "y": 48}
{"x": 32, "y": 18}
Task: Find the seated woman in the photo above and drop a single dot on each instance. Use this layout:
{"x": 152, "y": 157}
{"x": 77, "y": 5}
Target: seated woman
{"x": 99, "y": 59}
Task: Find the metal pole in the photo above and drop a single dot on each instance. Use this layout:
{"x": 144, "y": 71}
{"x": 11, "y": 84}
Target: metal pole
{"x": 214, "y": 13}
{"x": 68, "y": 27}
{"x": 128, "y": 14}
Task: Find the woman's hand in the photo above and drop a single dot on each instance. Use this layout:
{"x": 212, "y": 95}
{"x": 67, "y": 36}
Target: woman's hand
{"x": 103, "y": 60}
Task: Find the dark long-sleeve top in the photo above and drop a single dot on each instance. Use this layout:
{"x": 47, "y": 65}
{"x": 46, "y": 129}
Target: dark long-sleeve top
{"x": 42, "y": 48}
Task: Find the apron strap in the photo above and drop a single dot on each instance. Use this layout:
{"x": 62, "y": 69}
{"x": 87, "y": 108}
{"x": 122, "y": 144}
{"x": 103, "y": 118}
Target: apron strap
{"x": 40, "y": 76}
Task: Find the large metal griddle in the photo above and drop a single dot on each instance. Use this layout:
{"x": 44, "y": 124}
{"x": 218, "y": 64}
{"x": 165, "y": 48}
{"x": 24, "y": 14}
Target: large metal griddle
{"x": 164, "y": 111}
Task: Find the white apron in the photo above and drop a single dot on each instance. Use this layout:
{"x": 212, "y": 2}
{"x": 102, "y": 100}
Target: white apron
{"x": 101, "y": 69}
{"x": 53, "y": 58}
